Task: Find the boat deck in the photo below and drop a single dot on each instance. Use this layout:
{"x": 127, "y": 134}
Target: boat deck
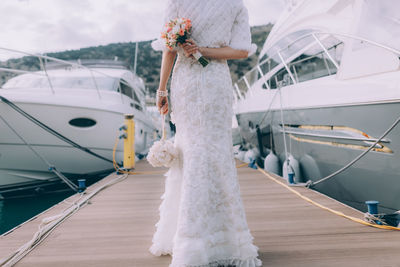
{"x": 117, "y": 227}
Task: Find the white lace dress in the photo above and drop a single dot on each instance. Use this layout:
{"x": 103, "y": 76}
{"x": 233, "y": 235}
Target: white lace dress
{"x": 202, "y": 219}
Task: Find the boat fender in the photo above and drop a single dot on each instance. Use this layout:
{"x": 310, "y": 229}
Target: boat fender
{"x": 240, "y": 155}
{"x": 251, "y": 155}
{"x": 291, "y": 165}
{"x": 271, "y": 163}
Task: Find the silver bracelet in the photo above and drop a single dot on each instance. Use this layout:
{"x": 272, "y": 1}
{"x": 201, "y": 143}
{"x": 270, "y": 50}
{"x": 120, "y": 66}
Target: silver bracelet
{"x": 161, "y": 93}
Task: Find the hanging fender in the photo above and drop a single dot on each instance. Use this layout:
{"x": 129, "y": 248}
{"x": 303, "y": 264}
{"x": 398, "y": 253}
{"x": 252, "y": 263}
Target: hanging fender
{"x": 291, "y": 165}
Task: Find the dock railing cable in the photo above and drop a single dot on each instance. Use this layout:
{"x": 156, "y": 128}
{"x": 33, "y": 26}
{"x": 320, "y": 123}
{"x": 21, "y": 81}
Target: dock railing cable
{"x": 311, "y": 183}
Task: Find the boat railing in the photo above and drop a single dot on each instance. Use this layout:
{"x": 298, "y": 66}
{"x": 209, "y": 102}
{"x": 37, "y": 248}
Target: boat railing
{"x": 43, "y": 59}
{"x": 267, "y": 68}
{"x": 90, "y": 63}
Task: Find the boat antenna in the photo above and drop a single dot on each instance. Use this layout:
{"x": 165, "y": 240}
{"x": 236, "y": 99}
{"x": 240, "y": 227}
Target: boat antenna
{"x": 135, "y": 62}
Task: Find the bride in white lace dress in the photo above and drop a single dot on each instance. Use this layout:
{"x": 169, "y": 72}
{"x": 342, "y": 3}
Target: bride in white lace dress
{"x": 202, "y": 219}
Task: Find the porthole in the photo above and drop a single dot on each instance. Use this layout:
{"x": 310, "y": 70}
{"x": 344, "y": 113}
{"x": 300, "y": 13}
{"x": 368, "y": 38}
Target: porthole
{"x": 82, "y": 122}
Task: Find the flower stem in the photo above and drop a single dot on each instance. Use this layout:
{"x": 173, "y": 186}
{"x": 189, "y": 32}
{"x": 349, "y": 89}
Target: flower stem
{"x": 202, "y": 60}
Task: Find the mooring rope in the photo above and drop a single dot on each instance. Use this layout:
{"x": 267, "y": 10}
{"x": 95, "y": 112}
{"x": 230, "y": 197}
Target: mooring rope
{"x": 49, "y": 224}
{"x": 50, "y": 130}
{"x": 45, "y": 161}
{"x": 339, "y": 213}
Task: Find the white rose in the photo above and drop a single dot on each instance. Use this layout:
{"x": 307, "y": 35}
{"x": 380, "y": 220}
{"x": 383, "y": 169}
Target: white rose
{"x": 162, "y": 153}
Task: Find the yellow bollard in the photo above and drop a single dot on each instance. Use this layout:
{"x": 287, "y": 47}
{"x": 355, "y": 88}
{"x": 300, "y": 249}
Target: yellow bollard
{"x": 129, "y": 142}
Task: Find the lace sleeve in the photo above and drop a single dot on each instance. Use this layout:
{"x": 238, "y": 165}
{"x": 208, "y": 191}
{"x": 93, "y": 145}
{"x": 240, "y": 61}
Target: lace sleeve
{"x": 241, "y": 35}
{"x": 171, "y": 12}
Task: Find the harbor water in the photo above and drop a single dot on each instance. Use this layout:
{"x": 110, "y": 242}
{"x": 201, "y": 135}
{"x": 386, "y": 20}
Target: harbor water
{"x": 18, "y": 210}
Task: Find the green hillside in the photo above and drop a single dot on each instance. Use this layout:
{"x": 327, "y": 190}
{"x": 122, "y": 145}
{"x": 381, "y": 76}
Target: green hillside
{"x": 149, "y": 61}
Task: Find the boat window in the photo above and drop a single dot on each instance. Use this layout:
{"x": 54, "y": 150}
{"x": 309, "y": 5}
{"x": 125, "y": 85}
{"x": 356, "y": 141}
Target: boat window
{"x": 125, "y": 88}
{"x": 137, "y": 104}
{"x": 312, "y": 64}
{"x": 297, "y": 47}
{"x": 82, "y": 122}
{"x": 305, "y": 58}
{"x": 279, "y": 79}
{"x": 266, "y": 67}
{"x": 293, "y": 40}
{"x": 33, "y": 81}
{"x": 135, "y": 97}
{"x": 333, "y": 45}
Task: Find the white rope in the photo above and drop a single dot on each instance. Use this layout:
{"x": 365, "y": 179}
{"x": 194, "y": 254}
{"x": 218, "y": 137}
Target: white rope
{"x": 374, "y": 218}
{"x": 49, "y": 224}
{"x": 284, "y": 133}
{"x": 269, "y": 108}
{"x": 163, "y": 128}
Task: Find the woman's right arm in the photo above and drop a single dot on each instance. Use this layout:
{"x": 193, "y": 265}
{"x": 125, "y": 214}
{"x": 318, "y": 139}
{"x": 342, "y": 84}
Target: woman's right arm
{"x": 167, "y": 63}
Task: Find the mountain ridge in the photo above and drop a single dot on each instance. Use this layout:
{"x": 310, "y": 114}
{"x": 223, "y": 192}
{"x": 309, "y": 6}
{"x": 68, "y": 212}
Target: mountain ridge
{"x": 148, "y": 61}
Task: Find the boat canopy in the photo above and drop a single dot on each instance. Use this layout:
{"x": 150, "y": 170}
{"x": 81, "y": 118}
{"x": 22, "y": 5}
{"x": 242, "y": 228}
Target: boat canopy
{"x": 377, "y": 21}
{"x": 369, "y": 30}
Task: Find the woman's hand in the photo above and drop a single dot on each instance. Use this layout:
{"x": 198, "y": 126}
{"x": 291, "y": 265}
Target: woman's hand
{"x": 189, "y": 47}
{"x": 162, "y": 104}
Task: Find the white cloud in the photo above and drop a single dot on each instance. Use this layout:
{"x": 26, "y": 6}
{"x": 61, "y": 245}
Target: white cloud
{"x": 54, "y": 25}
{"x": 264, "y": 11}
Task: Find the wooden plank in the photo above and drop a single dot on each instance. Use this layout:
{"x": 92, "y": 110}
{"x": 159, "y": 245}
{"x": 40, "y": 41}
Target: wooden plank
{"x": 116, "y": 229}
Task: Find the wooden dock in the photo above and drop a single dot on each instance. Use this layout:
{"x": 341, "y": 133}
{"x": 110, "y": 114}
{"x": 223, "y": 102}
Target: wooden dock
{"x": 117, "y": 227}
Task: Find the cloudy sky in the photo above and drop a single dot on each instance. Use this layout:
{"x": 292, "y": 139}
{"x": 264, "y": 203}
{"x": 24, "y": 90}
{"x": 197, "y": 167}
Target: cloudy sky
{"x": 39, "y": 26}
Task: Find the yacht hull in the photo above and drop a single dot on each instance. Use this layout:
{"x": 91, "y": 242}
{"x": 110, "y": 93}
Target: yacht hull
{"x": 21, "y": 167}
{"x": 325, "y": 139}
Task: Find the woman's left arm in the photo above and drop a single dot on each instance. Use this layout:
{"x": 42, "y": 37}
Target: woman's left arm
{"x": 223, "y": 53}
{"x": 190, "y": 47}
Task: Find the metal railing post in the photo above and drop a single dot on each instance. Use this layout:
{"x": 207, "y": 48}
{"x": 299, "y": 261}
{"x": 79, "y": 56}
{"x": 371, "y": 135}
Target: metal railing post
{"x": 326, "y": 51}
{"x": 238, "y": 91}
{"x": 287, "y": 68}
{"x": 262, "y": 74}
{"x": 47, "y": 75}
{"x": 95, "y": 83}
{"x": 247, "y": 85}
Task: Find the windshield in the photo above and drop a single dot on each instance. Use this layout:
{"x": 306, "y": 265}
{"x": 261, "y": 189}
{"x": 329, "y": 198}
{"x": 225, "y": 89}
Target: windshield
{"x": 33, "y": 81}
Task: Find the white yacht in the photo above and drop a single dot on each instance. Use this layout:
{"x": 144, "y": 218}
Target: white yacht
{"x": 326, "y": 89}
{"x": 68, "y": 116}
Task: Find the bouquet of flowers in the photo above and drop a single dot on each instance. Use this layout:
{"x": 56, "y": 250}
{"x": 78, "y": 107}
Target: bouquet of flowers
{"x": 163, "y": 152}
{"x": 176, "y": 32}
